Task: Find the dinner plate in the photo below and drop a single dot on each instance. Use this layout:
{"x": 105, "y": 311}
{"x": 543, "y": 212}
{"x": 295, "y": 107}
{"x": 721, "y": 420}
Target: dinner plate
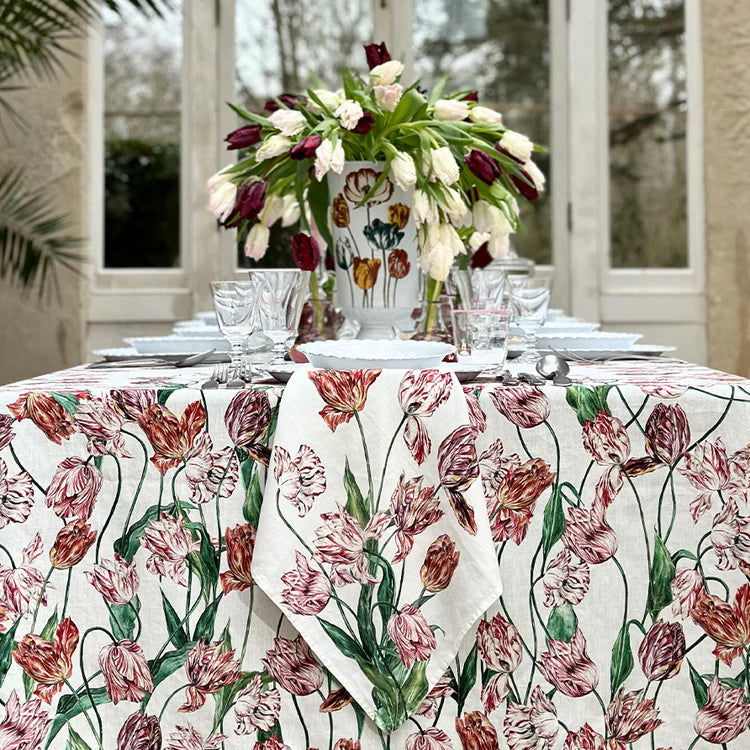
{"x": 126, "y": 353}
{"x": 368, "y": 353}
{"x": 592, "y": 340}
{"x": 177, "y": 344}
{"x": 571, "y": 353}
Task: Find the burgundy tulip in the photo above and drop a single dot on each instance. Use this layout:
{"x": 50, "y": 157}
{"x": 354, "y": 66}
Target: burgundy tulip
{"x": 288, "y": 100}
{"x": 247, "y": 135}
{"x": 305, "y": 149}
{"x": 140, "y": 731}
{"x": 525, "y": 185}
{"x": 667, "y": 433}
{"x": 364, "y": 126}
{"x": 250, "y": 200}
{"x": 305, "y": 251}
{"x": 472, "y": 96}
{"x": 439, "y": 564}
{"x": 481, "y": 257}
{"x": 662, "y": 650}
{"x": 376, "y": 54}
{"x": 483, "y": 166}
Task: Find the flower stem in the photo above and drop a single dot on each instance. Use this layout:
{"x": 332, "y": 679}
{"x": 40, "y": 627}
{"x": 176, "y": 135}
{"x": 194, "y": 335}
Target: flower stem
{"x": 432, "y": 297}
{"x": 247, "y": 624}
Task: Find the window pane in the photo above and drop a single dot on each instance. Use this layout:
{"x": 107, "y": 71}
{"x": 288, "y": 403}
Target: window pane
{"x": 287, "y": 46}
{"x": 142, "y": 62}
{"x": 647, "y": 128}
{"x": 501, "y": 49}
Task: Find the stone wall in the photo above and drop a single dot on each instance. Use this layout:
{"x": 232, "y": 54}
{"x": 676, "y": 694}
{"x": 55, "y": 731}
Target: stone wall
{"x": 726, "y": 99}
{"x": 38, "y": 335}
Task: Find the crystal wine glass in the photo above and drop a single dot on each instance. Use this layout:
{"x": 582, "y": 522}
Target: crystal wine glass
{"x": 281, "y": 296}
{"x": 479, "y": 288}
{"x": 529, "y": 300}
{"x": 236, "y": 304}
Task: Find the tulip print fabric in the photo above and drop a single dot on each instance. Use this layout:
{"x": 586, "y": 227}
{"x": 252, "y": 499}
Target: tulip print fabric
{"x": 141, "y": 521}
{"x": 370, "y": 534}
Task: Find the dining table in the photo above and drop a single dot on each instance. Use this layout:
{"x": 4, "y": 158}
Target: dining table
{"x": 376, "y": 559}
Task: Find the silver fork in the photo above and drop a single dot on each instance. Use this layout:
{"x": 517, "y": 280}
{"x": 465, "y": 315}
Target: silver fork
{"x": 218, "y": 376}
{"x": 567, "y": 354}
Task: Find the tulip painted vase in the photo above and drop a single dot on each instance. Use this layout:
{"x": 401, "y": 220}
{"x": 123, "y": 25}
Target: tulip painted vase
{"x": 375, "y": 248}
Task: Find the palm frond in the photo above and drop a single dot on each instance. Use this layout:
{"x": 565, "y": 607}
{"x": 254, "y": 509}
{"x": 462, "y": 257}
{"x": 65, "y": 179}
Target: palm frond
{"x": 34, "y": 242}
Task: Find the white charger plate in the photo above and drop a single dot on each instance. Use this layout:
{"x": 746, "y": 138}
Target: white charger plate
{"x": 123, "y": 353}
{"x": 640, "y": 350}
{"x": 592, "y": 340}
{"x": 177, "y": 344}
{"x": 374, "y": 353}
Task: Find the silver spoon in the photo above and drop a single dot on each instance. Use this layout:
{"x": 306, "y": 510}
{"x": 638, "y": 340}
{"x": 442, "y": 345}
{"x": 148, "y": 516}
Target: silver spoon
{"x": 553, "y": 367}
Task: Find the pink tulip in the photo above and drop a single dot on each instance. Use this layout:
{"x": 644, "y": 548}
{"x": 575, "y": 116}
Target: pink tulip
{"x": 522, "y": 405}
{"x": 566, "y": 580}
{"x": 300, "y": 479}
{"x": 210, "y": 474}
{"x": 724, "y": 716}
{"x": 532, "y": 726}
{"x": 209, "y": 668}
{"x": 584, "y": 739}
{"x": 412, "y": 636}
{"x": 707, "y": 469}
{"x": 74, "y": 488}
{"x": 687, "y": 586}
{"x": 421, "y": 392}
{"x": 477, "y": 417}
{"x": 494, "y": 466}
{"x": 125, "y": 671}
{"x": 16, "y": 495}
{"x": 567, "y": 666}
{"x": 115, "y": 580}
{"x": 307, "y": 591}
{"x": 730, "y": 537}
{"x": 429, "y": 739}
{"x": 458, "y": 468}
{"x": 630, "y": 717}
{"x": 132, "y": 403}
{"x": 169, "y": 542}
{"x": 6, "y": 430}
{"x": 413, "y": 509}
{"x": 292, "y": 665}
{"x": 662, "y": 650}
{"x": 139, "y": 732}
{"x": 187, "y": 738}
{"x": 255, "y": 708}
{"x": 443, "y": 688}
{"x": 667, "y": 433}
{"x": 588, "y": 535}
{"x": 101, "y": 422}
{"x": 24, "y": 726}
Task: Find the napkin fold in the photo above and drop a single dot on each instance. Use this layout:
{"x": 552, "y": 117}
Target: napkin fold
{"x": 373, "y": 536}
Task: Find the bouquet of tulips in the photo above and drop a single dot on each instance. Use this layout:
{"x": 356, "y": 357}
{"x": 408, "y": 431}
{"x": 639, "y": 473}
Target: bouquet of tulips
{"x": 466, "y": 168}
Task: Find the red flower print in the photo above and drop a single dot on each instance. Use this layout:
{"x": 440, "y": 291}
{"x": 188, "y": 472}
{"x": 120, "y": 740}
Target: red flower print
{"x": 725, "y": 715}
{"x": 210, "y": 474}
{"x": 101, "y": 422}
{"x": 667, "y": 433}
{"x": 116, "y": 580}
{"x": 22, "y": 587}
{"x": 607, "y": 441}
{"x": 240, "y": 543}
{"x": 300, "y": 479}
{"x": 584, "y": 739}
{"x": 443, "y": 689}
{"x": 24, "y": 726}
{"x": 413, "y": 509}
{"x": 209, "y": 668}
{"x": 499, "y": 646}
{"x": 630, "y": 717}
{"x": 187, "y": 738}
{"x": 398, "y": 260}
{"x": 16, "y": 496}
{"x": 292, "y": 665}
{"x": 139, "y": 732}
{"x": 125, "y": 671}
{"x": 74, "y": 488}
{"x": 344, "y": 392}
{"x": 476, "y": 732}
{"x": 730, "y": 538}
{"x": 6, "y": 430}
{"x": 588, "y": 535}
{"x": 726, "y": 624}
{"x": 255, "y": 708}
{"x": 567, "y": 666}
{"x": 420, "y": 394}
{"x": 247, "y": 419}
{"x": 72, "y": 543}
{"x": 341, "y": 543}
{"x": 707, "y": 469}
{"x": 439, "y": 564}
{"x": 335, "y": 701}
{"x": 566, "y": 580}
{"x": 169, "y": 543}
{"x": 171, "y": 438}
{"x": 493, "y": 466}
{"x": 272, "y": 743}
{"x": 49, "y": 664}
{"x": 522, "y": 405}
{"x": 687, "y": 586}
{"x": 477, "y": 417}
{"x": 46, "y": 413}
{"x": 458, "y": 468}
{"x": 412, "y": 636}
{"x": 662, "y": 650}
{"x": 429, "y": 739}
{"x": 533, "y": 726}
{"x": 131, "y": 403}
{"x": 307, "y": 591}
{"x": 347, "y": 744}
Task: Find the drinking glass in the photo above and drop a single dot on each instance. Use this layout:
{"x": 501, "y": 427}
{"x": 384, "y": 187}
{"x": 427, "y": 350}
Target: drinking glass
{"x": 479, "y": 288}
{"x": 236, "y": 304}
{"x": 481, "y": 335}
{"x": 529, "y": 300}
{"x": 281, "y": 296}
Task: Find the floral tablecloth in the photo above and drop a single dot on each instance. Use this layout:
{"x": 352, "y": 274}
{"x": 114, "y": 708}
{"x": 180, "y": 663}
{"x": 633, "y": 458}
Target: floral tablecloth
{"x": 381, "y": 507}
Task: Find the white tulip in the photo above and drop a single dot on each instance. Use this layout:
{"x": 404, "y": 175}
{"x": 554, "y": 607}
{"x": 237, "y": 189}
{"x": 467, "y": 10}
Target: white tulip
{"x": 328, "y": 156}
{"x": 444, "y": 166}
{"x": 499, "y": 245}
{"x": 478, "y": 239}
{"x": 423, "y": 208}
{"x": 388, "y": 97}
{"x": 485, "y": 116}
{"x": 536, "y": 175}
{"x": 403, "y": 170}
{"x": 440, "y": 245}
{"x": 386, "y": 73}
{"x": 290, "y": 214}
{"x": 256, "y": 242}
{"x": 349, "y": 113}
{"x": 222, "y": 195}
{"x": 272, "y": 210}
{"x": 274, "y": 146}
{"x": 517, "y": 145}
{"x": 451, "y": 109}
{"x": 454, "y": 206}
{"x": 288, "y": 121}
{"x": 329, "y": 99}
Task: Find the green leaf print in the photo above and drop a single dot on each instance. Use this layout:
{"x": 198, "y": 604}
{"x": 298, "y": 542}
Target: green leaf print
{"x": 562, "y": 623}
{"x": 660, "y": 579}
{"x": 622, "y": 659}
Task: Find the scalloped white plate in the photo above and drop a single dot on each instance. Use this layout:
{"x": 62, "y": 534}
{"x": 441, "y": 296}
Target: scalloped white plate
{"x": 599, "y": 340}
{"x": 368, "y": 353}
{"x": 177, "y": 344}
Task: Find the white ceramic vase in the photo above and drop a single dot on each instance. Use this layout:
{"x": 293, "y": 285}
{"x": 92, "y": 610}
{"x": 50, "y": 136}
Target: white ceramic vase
{"x": 375, "y": 249}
